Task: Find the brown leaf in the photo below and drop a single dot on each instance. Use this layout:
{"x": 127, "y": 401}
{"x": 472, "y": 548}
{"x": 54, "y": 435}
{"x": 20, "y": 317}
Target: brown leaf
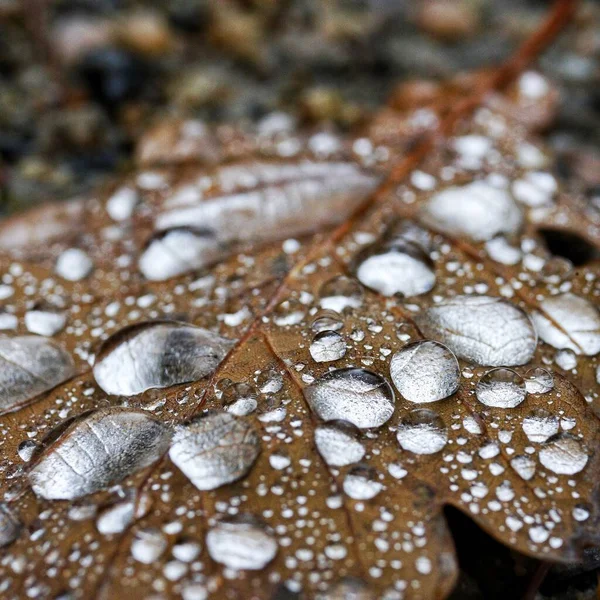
{"x": 329, "y": 394}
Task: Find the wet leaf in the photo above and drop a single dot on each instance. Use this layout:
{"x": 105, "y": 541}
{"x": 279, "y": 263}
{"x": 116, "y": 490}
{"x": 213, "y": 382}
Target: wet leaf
{"x": 330, "y": 393}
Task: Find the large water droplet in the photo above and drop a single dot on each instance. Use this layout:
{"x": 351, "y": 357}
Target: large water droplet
{"x": 338, "y": 444}
{"x": 399, "y": 264}
{"x": 241, "y": 542}
{"x": 361, "y": 483}
{"x": 481, "y": 329}
{"x": 215, "y": 449}
{"x": 478, "y": 211}
{"x": 539, "y": 425}
{"x": 361, "y": 397}
{"x": 422, "y": 431}
{"x": 501, "y": 388}
{"x": 341, "y": 292}
{"x": 425, "y": 371}
{"x": 569, "y": 321}
{"x": 563, "y": 454}
{"x": 98, "y": 450}
{"x": 327, "y": 346}
{"x": 29, "y": 366}
{"x": 157, "y": 355}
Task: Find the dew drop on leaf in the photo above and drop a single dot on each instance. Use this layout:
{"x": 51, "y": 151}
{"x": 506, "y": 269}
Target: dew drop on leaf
{"x": 481, "y": 329}
{"x": 45, "y": 320}
{"x": 425, "y": 371}
{"x": 327, "y": 346}
{"x": 338, "y": 443}
{"x": 341, "y": 292}
{"x": 539, "y": 425}
{"x": 501, "y": 388}
{"x": 563, "y": 454}
{"x": 524, "y": 466}
{"x": 148, "y": 545}
{"x": 327, "y": 320}
{"x": 30, "y": 365}
{"x": 157, "y": 355}
{"x": 359, "y": 396}
{"x": 10, "y": 526}
{"x": 96, "y": 451}
{"x": 422, "y": 431}
{"x": 539, "y": 381}
{"x": 241, "y": 542}
{"x": 361, "y": 483}
{"x": 74, "y": 265}
{"x": 214, "y": 450}
{"x": 568, "y": 321}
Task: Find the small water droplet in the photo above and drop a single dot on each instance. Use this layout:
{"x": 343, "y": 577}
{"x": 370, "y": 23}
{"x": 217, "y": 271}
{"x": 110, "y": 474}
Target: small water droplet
{"x": 361, "y": 483}
{"x": 422, "y": 431}
{"x": 501, "y": 388}
{"x": 523, "y": 466}
{"x": 341, "y": 292}
{"x": 539, "y": 425}
{"x": 10, "y": 526}
{"x": 539, "y": 381}
{"x": 327, "y": 320}
{"x": 338, "y": 443}
{"x": 74, "y": 265}
{"x": 327, "y": 346}
{"x": 148, "y": 545}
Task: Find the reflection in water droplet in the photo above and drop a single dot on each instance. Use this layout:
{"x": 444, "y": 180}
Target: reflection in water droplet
{"x": 327, "y": 346}
{"x": 523, "y": 466}
{"x": 399, "y": 264}
{"x": 563, "y": 454}
{"x": 241, "y": 542}
{"x": 338, "y": 444}
{"x": 98, "y": 450}
{"x": 422, "y": 431}
{"x": 361, "y": 483}
{"x": 538, "y": 381}
{"x": 539, "y": 425}
{"x": 215, "y": 449}
{"x": 361, "y": 397}
{"x": 30, "y": 366}
{"x": 425, "y": 371}
{"x": 10, "y": 526}
{"x": 340, "y": 293}
{"x": 157, "y": 355}
{"x": 501, "y": 388}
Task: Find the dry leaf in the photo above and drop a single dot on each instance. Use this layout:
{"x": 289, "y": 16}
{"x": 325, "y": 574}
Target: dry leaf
{"x": 250, "y": 416}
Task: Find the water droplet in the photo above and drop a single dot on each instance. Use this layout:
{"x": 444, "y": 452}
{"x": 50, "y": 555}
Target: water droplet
{"x": 10, "y": 526}
{"x": 523, "y": 466}
{"x": 539, "y": 425}
{"x": 26, "y": 450}
{"x": 566, "y": 359}
{"x": 327, "y": 320}
{"x": 74, "y": 265}
{"x": 327, "y": 346}
{"x": 398, "y": 264}
{"x": 45, "y": 320}
{"x": 481, "y": 329}
{"x": 501, "y": 388}
{"x": 157, "y": 355}
{"x": 215, "y": 449}
{"x": 425, "y": 371}
{"x": 361, "y": 483}
{"x": 148, "y": 545}
{"x": 289, "y": 312}
{"x": 241, "y": 542}
{"x": 422, "y": 431}
{"x": 186, "y": 550}
{"x": 178, "y": 251}
{"x": 581, "y": 512}
{"x": 340, "y": 293}
{"x": 269, "y": 382}
{"x": 539, "y": 381}
{"x": 116, "y": 518}
{"x": 478, "y": 211}
{"x": 338, "y": 443}
{"x": 30, "y": 366}
{"x": 563, "y": 454}
{"x": 361, "y": 397}
{"x": 98, "y": 450}
{"x": 280, "y": 460}
{"x": 577, "y": 323}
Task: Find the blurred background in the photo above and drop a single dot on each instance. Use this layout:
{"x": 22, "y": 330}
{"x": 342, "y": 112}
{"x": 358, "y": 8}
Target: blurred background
{"x": 81, "y": 79}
